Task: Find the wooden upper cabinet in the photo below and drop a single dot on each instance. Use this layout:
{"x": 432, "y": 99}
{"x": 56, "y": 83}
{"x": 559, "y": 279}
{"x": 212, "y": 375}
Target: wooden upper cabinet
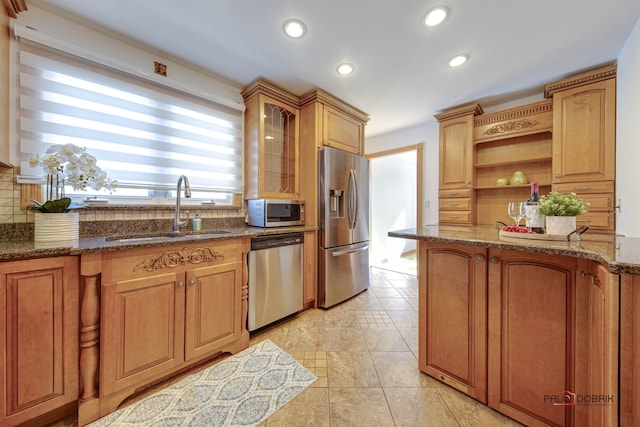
{"x": 584, "y": 127}
{"x": 271, "y": 143}
{"x": 456, "y": 146}
{"x": 39, "y": 334}
{"x": 343, "y": 132}
{"x": 457, "y": 159}
{"x": 456, "y": 153}
{"x": 342, "y": 125}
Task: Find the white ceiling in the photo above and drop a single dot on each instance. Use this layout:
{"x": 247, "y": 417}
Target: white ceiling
{"x": 401, "y": 77}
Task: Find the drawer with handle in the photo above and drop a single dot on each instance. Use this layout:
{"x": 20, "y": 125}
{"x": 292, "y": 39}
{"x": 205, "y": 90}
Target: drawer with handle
{"x": 585, "y": 187}
{"x": 599, "y": 202}
{"x": 596, "y": 220}
{"x": 455, "y": 204}
{"x": 455, "y": 217}
{"x": 457, "y": 192}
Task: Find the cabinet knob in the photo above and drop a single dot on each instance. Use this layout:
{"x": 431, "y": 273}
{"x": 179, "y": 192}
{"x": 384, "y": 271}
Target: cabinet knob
{"x": 180, "y": 284}
{"x": 192, "y": 282}
{"x": 495, "y": 259}
{"x": 468, "y": 182}
{"x": 557, "y": 175}
{"x": 480, "y": 257}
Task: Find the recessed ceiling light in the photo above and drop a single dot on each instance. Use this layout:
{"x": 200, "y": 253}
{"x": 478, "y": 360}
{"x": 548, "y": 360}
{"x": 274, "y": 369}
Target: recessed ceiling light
{"x": 294, "y": 28}
{"x": 458, "y": 60}
{"x": 435, "y": 16}
{"x": 344, "y": 69}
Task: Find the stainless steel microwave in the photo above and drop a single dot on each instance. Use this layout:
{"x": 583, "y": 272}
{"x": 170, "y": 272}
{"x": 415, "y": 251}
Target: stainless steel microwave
{"x": 275, "y": 213}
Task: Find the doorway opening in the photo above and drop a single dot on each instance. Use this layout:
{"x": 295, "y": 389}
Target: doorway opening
{"x": 396, "y": 201}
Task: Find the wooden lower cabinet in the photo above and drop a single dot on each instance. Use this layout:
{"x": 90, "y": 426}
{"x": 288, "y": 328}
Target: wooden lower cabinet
{"x": 164, "y": 309}
{"x": 39, "y": 335}
{"x": 452, "y": 306}
{"x": 630, "y": 350}
{"x": 535, "y": 336}
{"x": 552, "y": 340}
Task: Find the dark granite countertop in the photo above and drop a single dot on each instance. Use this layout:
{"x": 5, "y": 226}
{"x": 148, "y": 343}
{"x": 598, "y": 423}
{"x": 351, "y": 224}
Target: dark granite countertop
{"x": 618, "y": 254}
{"x": 26, "y": 249}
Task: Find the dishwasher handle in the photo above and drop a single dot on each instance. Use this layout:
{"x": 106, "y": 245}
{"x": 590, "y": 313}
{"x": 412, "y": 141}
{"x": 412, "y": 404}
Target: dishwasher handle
{"x": 350, "y": 251}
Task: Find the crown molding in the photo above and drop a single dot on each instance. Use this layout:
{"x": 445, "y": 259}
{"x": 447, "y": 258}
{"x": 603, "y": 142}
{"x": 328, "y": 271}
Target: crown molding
{"x": 463, "y": 110}
{"x": 325, "y": 98}
{"x": 14, "y": 7}
{"x": 267, "y": 88}
{"x": 578, "y": 80}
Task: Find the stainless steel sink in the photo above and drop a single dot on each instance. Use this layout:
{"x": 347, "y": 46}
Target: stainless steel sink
{"x": 149, "y": 237}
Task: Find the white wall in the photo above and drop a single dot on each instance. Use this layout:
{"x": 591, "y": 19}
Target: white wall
{"x": 393, "y": 204}
{"x": 627, "y": 142}
{"x": 628, "y": 136}
{"x": 426, "y": 133}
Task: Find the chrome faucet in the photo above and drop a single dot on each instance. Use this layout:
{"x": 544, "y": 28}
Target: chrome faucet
{"x": 177, "y": 222}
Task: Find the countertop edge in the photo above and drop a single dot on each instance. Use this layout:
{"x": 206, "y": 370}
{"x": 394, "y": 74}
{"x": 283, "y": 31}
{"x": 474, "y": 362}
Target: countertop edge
{"x": 13, "y": 251}
{"x": 560, "y": 248}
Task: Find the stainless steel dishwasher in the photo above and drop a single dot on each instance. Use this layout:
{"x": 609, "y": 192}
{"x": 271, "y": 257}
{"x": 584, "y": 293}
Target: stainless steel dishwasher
{"x": 275, "y": 278}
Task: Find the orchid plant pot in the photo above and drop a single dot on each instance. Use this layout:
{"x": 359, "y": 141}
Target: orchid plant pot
{"x": 56, "y": 230}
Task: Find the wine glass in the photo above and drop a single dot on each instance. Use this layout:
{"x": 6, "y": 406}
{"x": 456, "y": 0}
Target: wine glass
{"x": 529, "y": 214}
{"x": 516, "y": 211}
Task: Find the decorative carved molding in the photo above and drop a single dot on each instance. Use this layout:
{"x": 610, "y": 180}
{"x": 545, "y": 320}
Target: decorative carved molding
{"x": 460, "y": 111}
{"x": 172, "y": 259}
{"x": 545, "y": 106}
{"x": 581, "y": 79}
{"x": 512, "y": 126}
{"x": 14, "y": 7}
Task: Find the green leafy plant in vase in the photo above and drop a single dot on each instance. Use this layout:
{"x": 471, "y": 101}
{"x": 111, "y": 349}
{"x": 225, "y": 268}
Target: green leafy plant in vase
{"x": 560, "y": 211}
{"x": 64, "y": 164}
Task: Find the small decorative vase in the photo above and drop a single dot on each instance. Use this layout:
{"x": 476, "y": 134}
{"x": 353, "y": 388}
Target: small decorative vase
{"x": 560, "y": 225}
{"x": 518, "y": 177}
{"x": 56, "y": 230}
{"x": 502, "y": 181}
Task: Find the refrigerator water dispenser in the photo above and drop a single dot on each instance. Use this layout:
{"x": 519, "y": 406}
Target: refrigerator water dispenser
{"x": 336, "y": 203}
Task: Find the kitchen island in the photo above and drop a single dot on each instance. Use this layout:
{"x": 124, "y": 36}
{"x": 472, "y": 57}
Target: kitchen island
{"x": 546, "y": 332}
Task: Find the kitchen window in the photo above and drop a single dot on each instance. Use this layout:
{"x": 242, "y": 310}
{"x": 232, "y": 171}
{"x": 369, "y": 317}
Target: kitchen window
{"x": 143, "y": 134}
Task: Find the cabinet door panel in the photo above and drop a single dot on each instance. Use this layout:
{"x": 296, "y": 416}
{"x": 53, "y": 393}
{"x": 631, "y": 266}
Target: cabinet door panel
{"x": 213, "y": 308}
{"x": 453, "y": 317}
{"x": 584, "y": 133}
{"x": 41, "y": 336}
{"x": 342, "y": 132}
{"x": 597, "y": 345}
{"x": 142, "y": 329}
{"x": 456, "y": 153}
{"x": 531, "y": 336}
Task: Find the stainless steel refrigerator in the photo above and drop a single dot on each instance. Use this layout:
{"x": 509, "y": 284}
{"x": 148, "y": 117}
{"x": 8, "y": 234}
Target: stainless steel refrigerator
{"x": 344, "y": 226}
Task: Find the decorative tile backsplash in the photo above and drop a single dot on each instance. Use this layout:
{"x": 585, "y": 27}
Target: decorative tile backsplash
{"x": 17, "y": 224}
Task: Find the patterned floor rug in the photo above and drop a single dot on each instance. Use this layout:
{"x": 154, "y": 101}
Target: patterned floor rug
{"x": 242, "y": 390}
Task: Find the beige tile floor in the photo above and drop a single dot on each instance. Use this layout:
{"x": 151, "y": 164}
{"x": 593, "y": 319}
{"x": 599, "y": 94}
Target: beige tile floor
{"x": 364, "y": 353}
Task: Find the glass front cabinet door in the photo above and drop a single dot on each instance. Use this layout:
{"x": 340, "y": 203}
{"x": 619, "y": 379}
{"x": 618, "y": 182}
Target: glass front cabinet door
{"x": 271, "y": 148}
{"x": 280, "y": 149}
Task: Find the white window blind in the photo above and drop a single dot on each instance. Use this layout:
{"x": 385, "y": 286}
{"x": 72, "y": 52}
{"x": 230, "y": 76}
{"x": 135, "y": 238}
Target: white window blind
{"x": 143, "y": 135}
